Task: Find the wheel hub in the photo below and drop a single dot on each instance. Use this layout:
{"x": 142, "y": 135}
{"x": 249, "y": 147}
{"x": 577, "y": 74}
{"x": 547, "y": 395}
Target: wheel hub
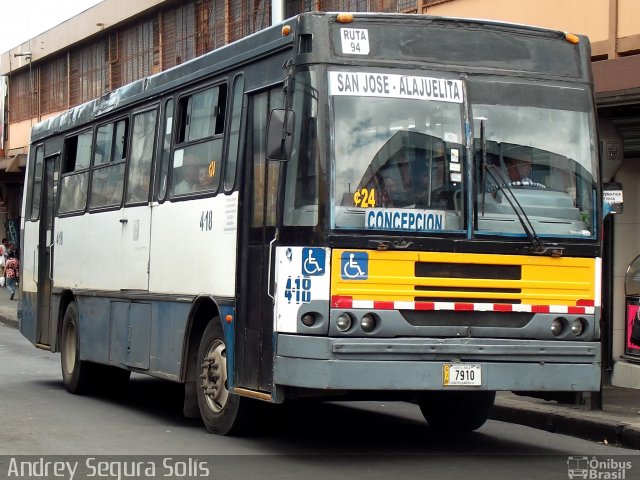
{"x": 214, "y": 376}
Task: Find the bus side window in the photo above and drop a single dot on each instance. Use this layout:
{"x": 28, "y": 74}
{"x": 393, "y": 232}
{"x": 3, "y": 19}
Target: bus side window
{"x": 234, "y": 134}
{"x": 197, "y": 163}
{"x": 75, "y": 172}
{"x": 36, "y": 190}
{"x": 108, "y": 164}
{"x": 163, "y": 171}
{"x": 301, "y": 187}
{"x": 141, "y": 157}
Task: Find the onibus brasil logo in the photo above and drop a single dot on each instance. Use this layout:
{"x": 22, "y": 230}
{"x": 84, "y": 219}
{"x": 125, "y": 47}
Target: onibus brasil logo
{"x": 597, "y": 468}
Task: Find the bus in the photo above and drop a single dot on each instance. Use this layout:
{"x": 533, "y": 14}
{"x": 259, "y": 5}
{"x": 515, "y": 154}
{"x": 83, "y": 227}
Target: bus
{"x": 325, "y": 209}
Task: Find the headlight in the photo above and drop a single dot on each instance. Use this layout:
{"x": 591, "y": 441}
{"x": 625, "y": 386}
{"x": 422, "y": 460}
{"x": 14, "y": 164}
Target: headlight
{"x": 557, "y": 325}
{"x": 308, "y": 319}
{"x": 368, "y": 322}
{"x": 343, "y": 322}
{"x": 577, "y": 326}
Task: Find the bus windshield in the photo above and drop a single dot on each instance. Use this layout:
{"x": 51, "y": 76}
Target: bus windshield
{"x": 537, "y": 150}
{"x": 400, "y": 157}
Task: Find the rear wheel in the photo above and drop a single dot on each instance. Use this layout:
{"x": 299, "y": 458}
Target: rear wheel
{"x": 76, "y": 374}
{"x": 457, "y": 411}
{"x": 220, "y": 410}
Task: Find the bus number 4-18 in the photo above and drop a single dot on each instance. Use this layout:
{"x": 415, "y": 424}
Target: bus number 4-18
{"x": 206, "y": 221}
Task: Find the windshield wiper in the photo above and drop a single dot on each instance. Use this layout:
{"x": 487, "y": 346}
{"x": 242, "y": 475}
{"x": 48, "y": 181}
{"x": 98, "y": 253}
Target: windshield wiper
{"x": 502, "y": 183}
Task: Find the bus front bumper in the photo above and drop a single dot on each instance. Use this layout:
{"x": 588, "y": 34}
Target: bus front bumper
{"x": 403, "y": 364}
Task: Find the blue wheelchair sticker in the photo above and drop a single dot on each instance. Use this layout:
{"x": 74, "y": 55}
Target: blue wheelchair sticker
{"x": 313, "y": 262}
{"x": 354, "y": 265}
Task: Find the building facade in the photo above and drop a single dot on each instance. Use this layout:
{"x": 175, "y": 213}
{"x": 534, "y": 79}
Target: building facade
{"x": 116, "y": 42}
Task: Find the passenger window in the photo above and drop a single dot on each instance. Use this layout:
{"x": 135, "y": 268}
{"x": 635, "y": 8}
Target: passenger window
{"x": 166, "y": 150}
{"x": 36, "y": 191}
{"x": 77, "y": 154}
{"x": 196, "y": 168}
{"x": 197, "y": 160}
{"x": 234, "y": 133}
{"x": 104, "y": 143}
{"x": 141, "y": 158}
{"x": 202, "y": 114}
{"x": 75, "y": 172}
{"x": 107, "y": 179}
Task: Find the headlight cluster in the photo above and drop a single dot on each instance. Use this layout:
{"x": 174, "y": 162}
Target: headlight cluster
{"x": 347, "y": 321}
{"x": 560, "y": 324}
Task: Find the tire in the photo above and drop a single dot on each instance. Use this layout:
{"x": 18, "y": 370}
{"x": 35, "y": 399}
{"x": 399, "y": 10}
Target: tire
{"x": 76, "y": 374}
{"x": 457, "y": 411}
{"x": 220, "y": 410}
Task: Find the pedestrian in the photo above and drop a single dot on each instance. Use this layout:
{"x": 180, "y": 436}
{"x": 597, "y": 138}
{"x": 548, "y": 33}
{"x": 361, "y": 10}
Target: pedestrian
{"x": 3, "y": 252}
{"x": 12, "y": 272}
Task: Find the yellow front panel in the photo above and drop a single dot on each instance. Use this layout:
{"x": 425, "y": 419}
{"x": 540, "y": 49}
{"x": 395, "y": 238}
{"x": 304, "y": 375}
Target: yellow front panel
{"x": 460, "y": 277}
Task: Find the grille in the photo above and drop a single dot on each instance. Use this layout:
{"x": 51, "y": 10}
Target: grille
{"x": 461, "y": 270}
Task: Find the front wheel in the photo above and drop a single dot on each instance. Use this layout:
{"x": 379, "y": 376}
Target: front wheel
{"x": 220, "y": 410}
{"x": 76, "y": 374}
{"x": 457, "y": 411}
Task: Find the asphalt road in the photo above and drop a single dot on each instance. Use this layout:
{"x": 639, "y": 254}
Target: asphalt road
{"x": 303, "y": 440}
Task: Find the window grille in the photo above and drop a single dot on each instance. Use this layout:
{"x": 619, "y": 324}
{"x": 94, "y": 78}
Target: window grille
{"x": 88, "y": 72}
{"x": 23, "y": 91}
{"x": 53, "y": 85}
{"x": 136, "y": 47}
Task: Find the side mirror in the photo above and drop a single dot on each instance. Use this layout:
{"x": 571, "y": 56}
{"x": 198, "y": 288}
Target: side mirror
{"x": 612, "y": 198}
{"x": 280, "y": 134}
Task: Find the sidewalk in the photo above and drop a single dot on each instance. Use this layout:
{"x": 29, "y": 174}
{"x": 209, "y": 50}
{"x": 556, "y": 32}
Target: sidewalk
{"x": 9, "y": 308}
{"x": 618, "y": 423}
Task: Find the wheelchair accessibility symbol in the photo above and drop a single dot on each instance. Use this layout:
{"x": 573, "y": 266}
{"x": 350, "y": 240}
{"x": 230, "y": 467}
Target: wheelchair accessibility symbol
{"x": 354, "y": 265}
{"x": 313, "y": 260}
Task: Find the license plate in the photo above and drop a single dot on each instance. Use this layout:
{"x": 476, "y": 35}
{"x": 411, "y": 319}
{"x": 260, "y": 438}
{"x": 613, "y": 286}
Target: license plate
{"x": 459, "y": 374}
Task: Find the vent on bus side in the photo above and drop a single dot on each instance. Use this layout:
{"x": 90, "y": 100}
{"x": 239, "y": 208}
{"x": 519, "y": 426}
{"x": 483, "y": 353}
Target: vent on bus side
{"x": 305, "y": 44}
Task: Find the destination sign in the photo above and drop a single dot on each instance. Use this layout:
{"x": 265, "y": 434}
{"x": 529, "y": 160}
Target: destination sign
{"x": 369, "y": 84}
{"x": 411, "y": 220}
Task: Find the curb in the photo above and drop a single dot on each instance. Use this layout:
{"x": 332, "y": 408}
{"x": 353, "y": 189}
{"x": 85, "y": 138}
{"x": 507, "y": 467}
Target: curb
{"x": 10, "y": 322}
{"x": 562, "y": 420}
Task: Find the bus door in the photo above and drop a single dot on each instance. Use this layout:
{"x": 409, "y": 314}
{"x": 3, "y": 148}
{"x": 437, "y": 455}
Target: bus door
{"x": 254, "y": 342}
{"x": 135, "y": 219}
{"x": 46, "y": 249}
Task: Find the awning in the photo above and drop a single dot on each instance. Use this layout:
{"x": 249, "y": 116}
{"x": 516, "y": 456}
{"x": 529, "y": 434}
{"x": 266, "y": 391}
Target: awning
{"x": 14, "y": 163}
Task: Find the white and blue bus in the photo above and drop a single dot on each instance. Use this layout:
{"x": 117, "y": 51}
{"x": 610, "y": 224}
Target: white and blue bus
{"x": 326, "y": 209}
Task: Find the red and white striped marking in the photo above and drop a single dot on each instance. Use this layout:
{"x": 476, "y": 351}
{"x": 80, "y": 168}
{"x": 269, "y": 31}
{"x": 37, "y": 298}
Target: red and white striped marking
{"x": 345, "y": 302}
